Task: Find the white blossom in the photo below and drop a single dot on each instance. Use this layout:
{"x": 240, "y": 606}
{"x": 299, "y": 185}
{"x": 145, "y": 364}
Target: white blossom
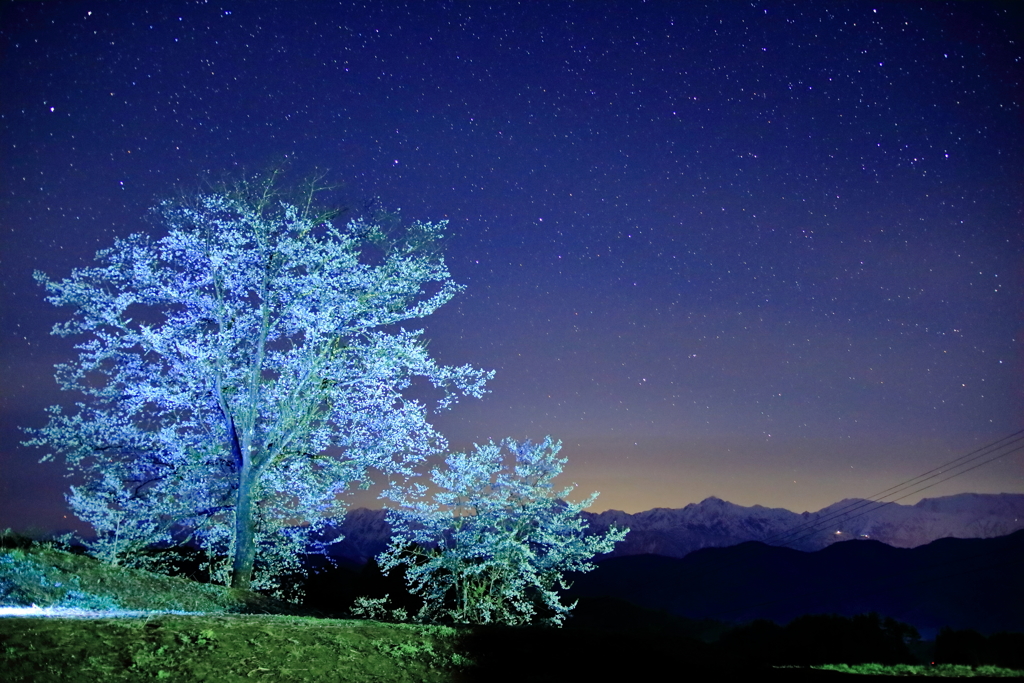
{"x": 257, "y": 354}
{"x": 493, "y": 543}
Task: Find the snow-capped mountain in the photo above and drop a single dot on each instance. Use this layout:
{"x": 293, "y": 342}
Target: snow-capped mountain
{"x": 717, "y": 523}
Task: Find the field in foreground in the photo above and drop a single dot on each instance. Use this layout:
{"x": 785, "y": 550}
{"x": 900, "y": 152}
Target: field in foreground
{"x": 286, "y": 648}
{"x": 937, "y": 671}
{"x": 224, "y": 648}
{"x": 215, "y": 634}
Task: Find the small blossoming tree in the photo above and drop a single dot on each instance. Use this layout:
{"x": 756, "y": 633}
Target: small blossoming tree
{"x": 493, "y": 543}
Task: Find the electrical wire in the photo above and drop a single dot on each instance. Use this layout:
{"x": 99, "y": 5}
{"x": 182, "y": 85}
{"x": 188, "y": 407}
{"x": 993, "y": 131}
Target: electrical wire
{"x": 817, "y": 525}
{"x": 986, "y": 454}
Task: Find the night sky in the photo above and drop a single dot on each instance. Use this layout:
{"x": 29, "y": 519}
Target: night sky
{"x": 770, "y": 252}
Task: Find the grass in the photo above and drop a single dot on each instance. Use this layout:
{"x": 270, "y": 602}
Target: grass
{"x": 189, "y": 631}
{"x": 193, "y": 632}
{"x": 937, "y": 670}
{"x": 225, "y": 648}
{"x": 48, "y": 577}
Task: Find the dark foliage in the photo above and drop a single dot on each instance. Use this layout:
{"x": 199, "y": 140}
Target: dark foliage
{"x": 331, "y": 586}
{"x": 11, "y": 540}
{"x": 619, "y": 615}
{"x": 822, "y": 639}
{"x": 923, "y": 586}
{"x": 972, "y": 648}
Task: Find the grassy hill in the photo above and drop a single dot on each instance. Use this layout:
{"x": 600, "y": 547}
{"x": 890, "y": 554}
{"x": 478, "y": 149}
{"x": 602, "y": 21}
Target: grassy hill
{"x": 53, "y": 578}
{"x": 146, "y": 626}
{"x": 121, "y": 624}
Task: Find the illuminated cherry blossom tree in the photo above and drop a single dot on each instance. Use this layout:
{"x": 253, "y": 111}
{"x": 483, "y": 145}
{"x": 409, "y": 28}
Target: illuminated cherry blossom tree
{"x": 243, "y": 370}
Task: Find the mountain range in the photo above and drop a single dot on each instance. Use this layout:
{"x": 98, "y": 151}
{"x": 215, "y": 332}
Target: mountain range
{"x": 960, "y": 583}
{"x": 715, "y": 523}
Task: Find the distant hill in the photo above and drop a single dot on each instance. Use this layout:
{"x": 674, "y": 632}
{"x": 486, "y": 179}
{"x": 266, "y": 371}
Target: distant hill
{"x": 715, "y": 523}
{"x": 961, "y": 583}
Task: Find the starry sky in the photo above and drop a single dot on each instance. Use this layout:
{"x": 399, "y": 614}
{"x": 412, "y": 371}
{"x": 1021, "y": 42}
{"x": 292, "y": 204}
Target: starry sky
{"x": 770, "y": 252}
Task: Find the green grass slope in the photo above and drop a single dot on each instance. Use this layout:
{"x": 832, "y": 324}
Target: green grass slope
{"x": 227, "y": 635}
{"x": 47, "y": 577}
{"x": 224, "y": 648}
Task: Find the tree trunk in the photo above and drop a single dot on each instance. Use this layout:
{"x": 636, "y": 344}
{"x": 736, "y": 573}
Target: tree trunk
{"x": 245, "y": 532}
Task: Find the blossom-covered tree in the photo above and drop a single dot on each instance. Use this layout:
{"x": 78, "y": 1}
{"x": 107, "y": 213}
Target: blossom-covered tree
{"x": 242, "y": 371}
{"x": 493, "y": 543}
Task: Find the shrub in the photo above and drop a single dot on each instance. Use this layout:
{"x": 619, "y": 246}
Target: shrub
{"x": 494, "y": 543}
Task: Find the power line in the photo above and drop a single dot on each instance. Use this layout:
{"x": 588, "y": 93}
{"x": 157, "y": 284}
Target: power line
{"x": 815, "y": 526}
{"x": 890, "y": 502}
{"x": 985, "y": 454}
{"x": 892, "y": 490}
